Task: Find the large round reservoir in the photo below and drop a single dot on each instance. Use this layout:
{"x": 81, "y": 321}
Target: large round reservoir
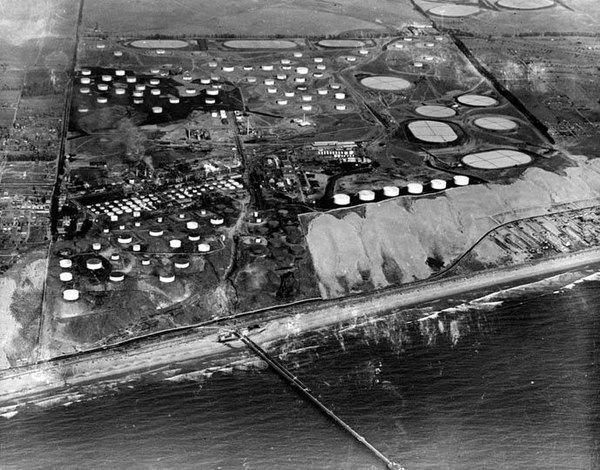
{"x": 259, "y": 44}
{"x": 525, "y": 4}
{"x": 159, "y": 43}
{"x": 341, "y": 43}
{"x": 479, "y": 101}
{"x": 454, "y": 11}
{"x": 495, "y": 159}
{"x": 495, "y": 123}
{"x": 432, "y": 131}
{"x": 434, "y": 111}
{"x": 386, "y": 83}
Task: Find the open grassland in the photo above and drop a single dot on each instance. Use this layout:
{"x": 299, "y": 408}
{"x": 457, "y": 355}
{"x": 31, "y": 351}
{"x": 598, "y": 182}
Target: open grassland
{"x": 246, "y": 18}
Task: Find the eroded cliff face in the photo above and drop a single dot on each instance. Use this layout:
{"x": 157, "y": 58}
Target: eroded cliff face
{"x": 387, "y": 243}
{"x": 21, "y": 291}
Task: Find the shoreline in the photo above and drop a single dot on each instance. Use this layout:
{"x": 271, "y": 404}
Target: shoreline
{"x": 24, "y": 385}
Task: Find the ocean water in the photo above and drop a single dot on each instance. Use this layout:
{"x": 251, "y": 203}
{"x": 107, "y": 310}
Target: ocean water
{"x": 503, "y": 383}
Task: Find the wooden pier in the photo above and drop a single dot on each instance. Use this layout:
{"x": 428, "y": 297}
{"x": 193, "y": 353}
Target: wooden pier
{"x": 303, "y": 390}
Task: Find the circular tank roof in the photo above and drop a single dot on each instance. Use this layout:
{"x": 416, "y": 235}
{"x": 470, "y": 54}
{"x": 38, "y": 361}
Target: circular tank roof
{"x": 477, "y": 100}
{"x": 432, "y": 131}
{"x": 341, "y": 43}
{"x": 159, "y": 43}
{"x": 495, "y": 123}
{"x": 435, "y": 111}
{"x": 525, "y": 4}
{"x": 454, "y": 11}
{"x": 259, "y": 44}
{"x": 386, "y": 83}
{"x": 495, "y": 159}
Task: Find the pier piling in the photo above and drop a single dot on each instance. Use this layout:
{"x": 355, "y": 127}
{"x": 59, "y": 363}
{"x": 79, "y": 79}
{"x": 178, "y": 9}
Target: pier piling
{"x": 303, "y": 390}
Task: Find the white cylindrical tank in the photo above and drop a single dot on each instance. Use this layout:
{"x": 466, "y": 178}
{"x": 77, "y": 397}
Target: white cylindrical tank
{"x": 366, "y": 195}
{"x": 301, "y": 70}
{"x": 70, "y": 295}
{"x": 93, "y": 264}
{"x": 85, "y": 80}
{"x": 269, "y": 81}
{"x": 212, "y": 91}
{"x": 155, "y": 91}
{"x": 191, "y": 225}
{"x": 340, "y": 107}
{"x": 66, "y": 276}
{"x": 155, "y": 232}
{"x": 102, "y": 86}
{"x": 166, "y": 278}
{"x": 217, "y": 220}
{"x": 438, "y": 184}
{"x": 106, "y": 78}
{"x": 182, "y": 264}
{"x": 157, "y": 109}
{"x": 65, "y": 263}
{"x": 289, "y": 94}
{"x": 266, "y": 67}
{"x": 341, "y": 199}
{"x": 116, "y": 276}
{"x": 282, "y": 102}
{"x": 96, "y": 246}
{"x": 415, "y": 188}
{"x": 461, "y": 180}
{"x": 102, "y": 99}
{"x": 203, "y": 247}
{"x": 120, "y": 73}
{"x": 306, "y": 107}
{"x": 391, "y": 191}
{"x": 340, "y": 96}
{"x": 120, "y": 91}
{"x": 131, "y": 79}
{"x": 85, "y": 90}
{"x": 175, "y": 243}
{"x": 173, "y": 100}
{"x": 125, "y": 238}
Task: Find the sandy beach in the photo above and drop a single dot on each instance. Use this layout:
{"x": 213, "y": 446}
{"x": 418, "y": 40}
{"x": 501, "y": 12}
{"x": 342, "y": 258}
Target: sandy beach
{"x": 147, "y": 356}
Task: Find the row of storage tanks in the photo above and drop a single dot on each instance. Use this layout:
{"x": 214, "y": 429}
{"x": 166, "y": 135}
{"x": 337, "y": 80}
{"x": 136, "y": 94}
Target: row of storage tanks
{"x": 368, "y": 195}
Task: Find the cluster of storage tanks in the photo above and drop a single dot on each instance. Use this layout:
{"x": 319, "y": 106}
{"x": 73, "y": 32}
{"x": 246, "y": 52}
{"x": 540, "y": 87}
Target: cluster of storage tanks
{"x": 368, "y": 195}
{"x": 299, "y": 74}
{"x": 125, "y": 240}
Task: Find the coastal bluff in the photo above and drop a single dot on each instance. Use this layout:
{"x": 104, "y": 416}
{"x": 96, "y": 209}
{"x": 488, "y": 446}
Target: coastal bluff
{"x": 393, "y": 242}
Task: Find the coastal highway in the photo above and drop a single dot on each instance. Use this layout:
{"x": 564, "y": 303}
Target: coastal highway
{"x": 150, "y": 355}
